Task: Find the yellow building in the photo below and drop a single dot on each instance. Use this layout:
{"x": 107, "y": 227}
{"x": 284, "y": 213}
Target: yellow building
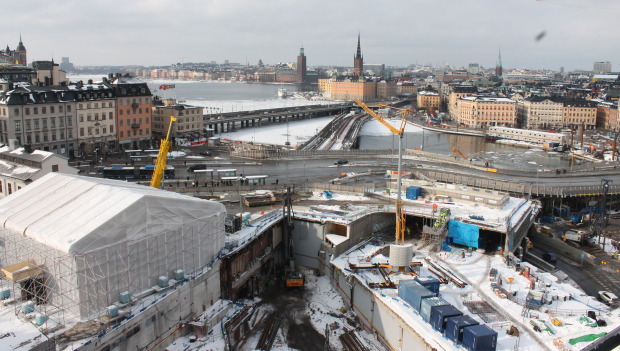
{"x": 578, "y": 112}
{"x": 349, "y": 89}
{"x": 540, "y": 112}
{"x": 457, "y": 93}
{"x": 428, "y": 99}
{"x": 482, "y": 111}
{"x": 406, "y": 88}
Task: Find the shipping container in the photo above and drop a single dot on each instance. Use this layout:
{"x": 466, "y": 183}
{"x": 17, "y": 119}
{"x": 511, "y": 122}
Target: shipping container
{"x": 427, "y": 306}
{"x": 413, "y": 293}
{"x": 429, "y": 282}
{"x": 413, "y": 192}
{"x": 439, "y": 314}
{"x": 456, "y": 325}
{"x": 479, "y": 338}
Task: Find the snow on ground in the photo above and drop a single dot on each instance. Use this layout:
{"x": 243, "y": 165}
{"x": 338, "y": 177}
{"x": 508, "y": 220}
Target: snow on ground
{"x": 17, "y": 338}
{"x": 299, "y": 132}
{"x": 320, "y": 196}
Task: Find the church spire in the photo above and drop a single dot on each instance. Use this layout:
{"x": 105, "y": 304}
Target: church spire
{"x": 358, "y": 54}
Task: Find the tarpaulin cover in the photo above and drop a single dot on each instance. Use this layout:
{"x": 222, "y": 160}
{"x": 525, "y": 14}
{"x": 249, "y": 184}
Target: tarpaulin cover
{"x": 464, "y": 233}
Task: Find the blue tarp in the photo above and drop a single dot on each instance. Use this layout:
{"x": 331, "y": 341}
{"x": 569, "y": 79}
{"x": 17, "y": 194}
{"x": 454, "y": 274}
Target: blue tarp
{"x": 463, "y": 233}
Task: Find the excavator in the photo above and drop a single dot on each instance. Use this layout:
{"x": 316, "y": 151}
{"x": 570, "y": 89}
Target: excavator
{"x": 456, "y": 151}
{"x": 400, "y": 214}
{"x": 162, "y": 158}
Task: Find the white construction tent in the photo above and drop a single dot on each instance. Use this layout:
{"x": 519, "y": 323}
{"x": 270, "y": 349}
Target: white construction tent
{"x": 73, "y": 244}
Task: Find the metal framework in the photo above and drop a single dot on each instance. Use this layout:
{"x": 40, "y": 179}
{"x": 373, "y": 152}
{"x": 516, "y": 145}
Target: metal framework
{"x": 80, "y": 287}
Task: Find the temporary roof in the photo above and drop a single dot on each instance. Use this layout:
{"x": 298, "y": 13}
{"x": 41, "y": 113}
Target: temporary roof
{"x": 77, "y": 214}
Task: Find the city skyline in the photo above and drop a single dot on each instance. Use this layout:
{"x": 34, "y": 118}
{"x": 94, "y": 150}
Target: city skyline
{"x": 533, "y": 34}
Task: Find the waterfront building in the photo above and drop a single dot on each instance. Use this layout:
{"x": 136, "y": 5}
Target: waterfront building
{"x": 43, "y": 117}
{"x": 189, "y": 123}
{"x": 133, "y": 112}
{"x": 17, "y": 56}
{"x": 458, "y": 92}
{"x": 540, "y": 112}
{"x": 96, "y": 118}
{"x": 580, "y": 112}
{"x": 428, "y": 99}
{"x": 479, "y": 111}
{"x": 386, "y": 89}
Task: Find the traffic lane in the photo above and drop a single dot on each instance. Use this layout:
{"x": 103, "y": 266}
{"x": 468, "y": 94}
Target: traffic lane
{"x": 591, "y": 279}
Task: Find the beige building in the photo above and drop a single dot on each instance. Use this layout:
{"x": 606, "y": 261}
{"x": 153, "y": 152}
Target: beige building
{"x": 456, "y": 93}
{"x": 428, "y": 99}
{"x": 607, "y": 116}
{"x": 580, "y": 112}
{"x": 540, "y": 113}
{"x": 482, "y": 111}
{"x": 386, "y": 89}
{"x": 96, "y": 118}
{"x": 406, "y": 88}
{"x": 190, "y": 121}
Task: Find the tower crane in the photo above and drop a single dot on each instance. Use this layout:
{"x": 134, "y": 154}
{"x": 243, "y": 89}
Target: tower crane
{"x": 162, "y": 158}
{"x": 400, "y": 214}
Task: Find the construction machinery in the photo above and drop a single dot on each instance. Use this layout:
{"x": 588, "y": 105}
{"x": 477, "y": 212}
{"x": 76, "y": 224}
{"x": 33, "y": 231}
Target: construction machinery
{"x": 293, "y": 277}
{"x": 456, "y": 151}
{"x": 162, "y": 158}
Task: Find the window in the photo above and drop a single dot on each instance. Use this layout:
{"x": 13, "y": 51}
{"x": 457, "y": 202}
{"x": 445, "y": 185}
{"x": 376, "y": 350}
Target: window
{"x": 140, "y": 120}
{"x": 53, "y": 136}
{"x": 60, "y": 122}
{"x": 36, "y": 110}
{"x": 43, "y": 110}
{"x": 103, "y": 116}
{"x": 120, "y": 122}
{"x": 134, "y": 121}
{"x": 9, "y": 190}
{"x": 81, "y": 118}
{"x": 59, "y": 108}
{"x": 70, "y": 133}
{"x": 62, "y": 135}
{"x": 54, "y": 168}
{"x": 69, "y": 108}
{"x": 135, "y": 132}
{"x": 37, "y": 139}
{"x": 28, "y": 139}
{"x": 128, "y": 122}
{"x": 103, "y": 130}
{"x": 140, "y": 131}
{"x": 147, "y": 131}
{"x": 147, "y": 120}
{"x": 36, "y": 124}
{"x": 18, "y": 126}
{"x": 128, "y": 113}
{"x": 16, "y": 110}
{"x": 81, "y": 131}
{"x": 88, "y": 117}
{"x": 45, "y": 138}
{"x": 69, "y": 123}
{"x": 111, "y": 129}
{"x": 96, "y": 131}
{"x": 27, "y": 111}
{"x": 120, "y": 112}
{"x": 147, "y": 110}
{"x": 27, "y": 126}
{"x": 53, "y": 122}
{"x": 1, "y": 189}
{"x": 44, "y": 120}
{"x": 87, "y": 105}
{"x": 140, "y": 110}
{"x": 121, "y": 133}
{"x": 96, "y": 105}
{"x": 96, "y": 116}
{"x": 111, "y": 115}
{"x": 90, "y": 131}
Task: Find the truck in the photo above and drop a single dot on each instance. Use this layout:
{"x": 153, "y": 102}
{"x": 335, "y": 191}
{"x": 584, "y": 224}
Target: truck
{"x": 576, "y": 235}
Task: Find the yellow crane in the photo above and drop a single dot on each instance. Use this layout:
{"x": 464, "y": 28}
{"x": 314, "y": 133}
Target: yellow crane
{"x": 400, "y": 214}
{"x": 456, "y": 151}
{"x": 162, "y": 158}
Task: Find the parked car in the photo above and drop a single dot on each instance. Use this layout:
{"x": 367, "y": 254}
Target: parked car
{"x": 341, "y": 161}
{"x": 608, "y": 297}
{"x": 205, "y": 153}
{"x": 549, "y": 257}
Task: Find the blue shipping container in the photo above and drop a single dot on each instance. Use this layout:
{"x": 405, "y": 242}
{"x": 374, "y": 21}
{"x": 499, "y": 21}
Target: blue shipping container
{"x": 413, "y": 192}
{"x": 455, "y": 326}
{"x": 427, "y": 305}
{"x": 430, "y": 283}
{"x": 413, "y": 293}
{"x": 439, "y": 314}
{"x": 479, "y": 338}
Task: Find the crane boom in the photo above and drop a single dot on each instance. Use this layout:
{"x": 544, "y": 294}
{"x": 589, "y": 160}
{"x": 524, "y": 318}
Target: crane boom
{"x": 400, "y": 214}
{"x": 162, "y": 158}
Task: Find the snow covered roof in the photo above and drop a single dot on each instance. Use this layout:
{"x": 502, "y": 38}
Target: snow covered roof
{"x": 76, "y": 214}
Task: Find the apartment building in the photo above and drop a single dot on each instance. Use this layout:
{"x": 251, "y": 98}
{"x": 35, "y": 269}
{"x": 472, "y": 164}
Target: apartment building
{"x": 190, "y": 121}
{"x": 607, "y": 115}
{"x": 536, "y": 112}
{"x": 477, "y": 111}
{"x": 428, "y": 99}
{"x": 580, "y": 112}
{"x": 133, "y": 112}
{"x": 458, "y": 92}
{"x": 96, "y": 118}
{"x": 42, "y": 117}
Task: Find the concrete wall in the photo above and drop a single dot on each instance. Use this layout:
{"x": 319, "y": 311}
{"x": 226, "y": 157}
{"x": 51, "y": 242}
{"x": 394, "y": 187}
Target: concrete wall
{"x": 158, "y": 321}
{"x": 307, "y": 242}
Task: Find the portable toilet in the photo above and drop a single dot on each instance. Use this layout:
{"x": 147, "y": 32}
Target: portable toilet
{"x": 456, "y": 325}
{"x": 429, "y": 282}
{"x": 439, "y": 315}
{"x": 163, "y": 281}
{"x": 112, "y": 311}
{"x": 413, "y": 293}
{"x": 125, "y": 297}
{"x": 479, "y": 338}
{"x": 28, "y": 307}
{"x": 427, "y": 306}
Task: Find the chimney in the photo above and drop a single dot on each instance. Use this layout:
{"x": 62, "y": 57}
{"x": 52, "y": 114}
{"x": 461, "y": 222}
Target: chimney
{"x": 90, "y": 81}
{"x": 28, "y": 148}
{"x": 13, "y": 144}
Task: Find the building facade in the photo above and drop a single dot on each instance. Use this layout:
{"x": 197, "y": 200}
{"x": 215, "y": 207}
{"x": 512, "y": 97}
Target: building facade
{"x": 428, "y": 99}
{"x": 458, "y": 92}
{"x": 190, "y": 121}
{"x": 540, "y": 113}
{"x": 477, "y": 111}
{"x": 133, "y": 112}
{"x": 17, "y": 56}
{"x": 96, "y": 118}
{"x": 580, "y": 112}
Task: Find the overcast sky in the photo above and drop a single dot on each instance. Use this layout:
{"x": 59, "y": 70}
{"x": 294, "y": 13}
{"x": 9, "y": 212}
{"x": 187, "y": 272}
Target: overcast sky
{"x": 393, "y": 32}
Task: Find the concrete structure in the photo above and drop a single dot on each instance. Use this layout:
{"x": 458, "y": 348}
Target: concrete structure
{"x": 22, "y": 166}
{"x": 602, "y": 67}
{"x": 48, "y": 73}
{"x": 133, "y": 111}
{"x": 478, "y": 111}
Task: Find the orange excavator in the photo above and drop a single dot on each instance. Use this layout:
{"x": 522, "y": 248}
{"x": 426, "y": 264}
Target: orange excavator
{"x": 455, "y": 151}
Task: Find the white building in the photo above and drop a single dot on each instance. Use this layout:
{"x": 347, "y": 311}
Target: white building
{"x": 21, "y": 167}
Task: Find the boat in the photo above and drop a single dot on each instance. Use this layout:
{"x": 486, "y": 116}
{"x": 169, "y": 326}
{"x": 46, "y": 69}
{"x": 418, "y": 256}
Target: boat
{"x": 282, "y": 93}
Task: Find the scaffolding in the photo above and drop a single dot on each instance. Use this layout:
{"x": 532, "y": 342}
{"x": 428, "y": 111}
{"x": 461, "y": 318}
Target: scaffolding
{"x": 67, "y": 287}
{"x": 435, "y": 232}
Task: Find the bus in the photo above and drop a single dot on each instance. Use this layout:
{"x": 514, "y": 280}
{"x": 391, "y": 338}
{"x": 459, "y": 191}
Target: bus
{"x": 144, "y": 172}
